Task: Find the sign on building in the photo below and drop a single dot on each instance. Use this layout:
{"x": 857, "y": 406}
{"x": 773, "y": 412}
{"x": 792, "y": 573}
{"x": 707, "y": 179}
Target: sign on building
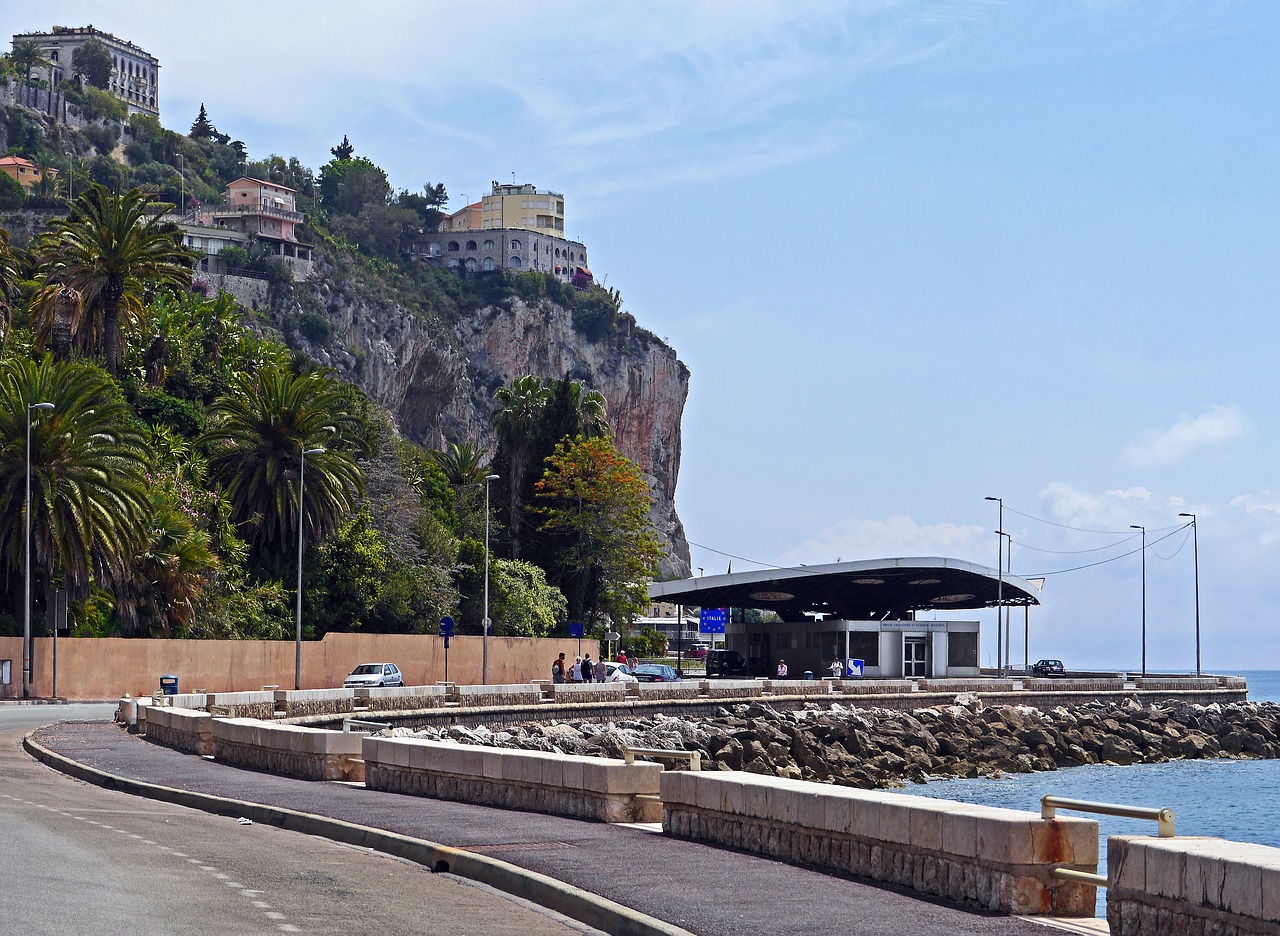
{"x": 712, "y": 620}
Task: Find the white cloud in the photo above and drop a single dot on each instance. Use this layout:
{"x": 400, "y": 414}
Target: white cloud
{"x": 1217, "y": 426}
{"x": 1252, "y": 503}
{"x": 896, "y": 536}
{"x": 1132, "y": 493}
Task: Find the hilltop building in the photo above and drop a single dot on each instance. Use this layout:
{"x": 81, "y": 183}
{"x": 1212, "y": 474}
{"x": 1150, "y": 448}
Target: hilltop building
{"x": 250, "y": 209}
{"x": 135, "y": 80}
{"x": 515, "y": 227}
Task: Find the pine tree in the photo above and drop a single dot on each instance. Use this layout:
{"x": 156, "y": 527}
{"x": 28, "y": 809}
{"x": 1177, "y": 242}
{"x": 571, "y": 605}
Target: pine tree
{"x": 343, "y": 150}
{"x": 202, "y": 129}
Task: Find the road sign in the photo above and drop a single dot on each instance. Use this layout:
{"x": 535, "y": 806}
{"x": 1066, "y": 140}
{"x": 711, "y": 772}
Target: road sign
{"x": 855, "y": 668}
{"x": 577, "y": 629}
{"x": 446, "y": 627}
{"x": 712, "y": 620}
{"x": 613, "y": 635}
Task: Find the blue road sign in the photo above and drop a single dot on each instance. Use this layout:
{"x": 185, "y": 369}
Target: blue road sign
{"x": 446, "y": 628}
{"x": 712, "y": 620}
{"x": 577, "y": 629}
{"x": 855, "y": 668}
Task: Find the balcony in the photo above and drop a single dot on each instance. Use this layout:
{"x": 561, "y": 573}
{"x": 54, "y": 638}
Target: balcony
{"x": 274, "y": 211}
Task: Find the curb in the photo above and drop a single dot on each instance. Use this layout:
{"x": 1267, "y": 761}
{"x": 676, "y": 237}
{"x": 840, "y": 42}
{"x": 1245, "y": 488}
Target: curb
{"x": 593, "y": 910}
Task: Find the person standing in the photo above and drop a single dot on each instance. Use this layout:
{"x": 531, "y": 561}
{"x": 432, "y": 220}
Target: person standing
{"x": 837, "y": 669}
{"x": 782, "y": 669}
{"x": 557, "y": 669}
{"x": 602, "y": 671}
{"x": 588, "y": 670}
{"x": 576, "y": 672}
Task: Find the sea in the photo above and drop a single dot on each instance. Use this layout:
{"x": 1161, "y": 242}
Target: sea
{"x": 1230, "y": 799}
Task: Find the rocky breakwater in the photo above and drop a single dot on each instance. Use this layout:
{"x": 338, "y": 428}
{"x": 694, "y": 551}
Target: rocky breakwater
{"x": 872, "y": 748}
{"x": 438, "y": 379}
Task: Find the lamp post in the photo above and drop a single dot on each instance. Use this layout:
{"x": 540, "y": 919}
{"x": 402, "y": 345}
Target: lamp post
{"x": 999, "y": 582}
{"x": 1195, "y": 543}
{"x": 70, "y": 177}
{"x": 1136, "y": 526}
{"x": 1008, "y": 633}
{"x": 297, "y": 640}
{"x": 484, "y": 646}
{"x": 26, "y": 605}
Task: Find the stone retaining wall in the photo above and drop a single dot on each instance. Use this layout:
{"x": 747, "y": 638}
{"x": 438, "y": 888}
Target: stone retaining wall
{"x": 406, "y": 698}
{"x": 598, "y": 788}
{"x": 996, "y": 858}
{"x": 589, "y": 692}
{"x": 245, "y": 704}
{"x": 289, "y": 750}
{"x": 300, "y": 703}
{"x": 1188, "y": 886}
{"x": 180, "y": 728}
{"x": 516, "y": 694}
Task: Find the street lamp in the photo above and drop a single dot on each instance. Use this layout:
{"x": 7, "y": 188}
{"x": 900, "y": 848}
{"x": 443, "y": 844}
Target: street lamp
{"x": 70, "y": 177}
{"x": 999, "y": 583}
{"x": 26, "y": 607}
{"x": 297, "y": 640}
{"x": 1008, "y": 634}
{"x": 484, "y": 651}
{"x": 1195, "y": 542}
{"x": 1136, "y": 526}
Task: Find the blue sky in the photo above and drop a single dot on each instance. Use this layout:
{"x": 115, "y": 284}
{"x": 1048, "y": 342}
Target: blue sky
{"x": 914, "y": 254}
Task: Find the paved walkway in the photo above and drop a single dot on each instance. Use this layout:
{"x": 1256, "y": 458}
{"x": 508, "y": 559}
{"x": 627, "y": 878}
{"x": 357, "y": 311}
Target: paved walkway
{"x": 709, "y": 891}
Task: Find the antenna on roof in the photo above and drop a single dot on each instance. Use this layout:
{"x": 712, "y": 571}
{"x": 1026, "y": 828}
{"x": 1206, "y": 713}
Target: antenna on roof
{"x": 513, "y": 178}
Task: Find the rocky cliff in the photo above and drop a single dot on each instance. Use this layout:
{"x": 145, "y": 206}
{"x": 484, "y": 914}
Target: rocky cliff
{"x": 438, "y": 379}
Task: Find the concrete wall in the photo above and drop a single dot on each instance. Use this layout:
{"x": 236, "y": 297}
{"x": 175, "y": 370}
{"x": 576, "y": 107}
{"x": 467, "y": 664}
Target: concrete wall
{"x": 108, "y": 667}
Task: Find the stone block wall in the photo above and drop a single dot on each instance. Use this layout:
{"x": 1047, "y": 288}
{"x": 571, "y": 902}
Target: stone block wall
{"x": 180, "y": 728}
{"x": 1190, "y": 886}
{"x": 598, "y": 788}
{"x": 408, "y": 698}
{"x": 998, "y": 859}
{"x": 246, "y": 704}
{"x": 299, "y": 703}
{"x": 589, "y": 692}
{"x": 290, "y": 750}
{"x": 517, "y": 694}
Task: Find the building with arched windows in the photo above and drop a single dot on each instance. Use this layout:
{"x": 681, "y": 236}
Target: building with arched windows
{"x": 135, "y": 76}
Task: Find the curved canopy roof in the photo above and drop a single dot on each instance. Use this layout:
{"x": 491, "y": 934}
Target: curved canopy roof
{"x": 873, "y": 589}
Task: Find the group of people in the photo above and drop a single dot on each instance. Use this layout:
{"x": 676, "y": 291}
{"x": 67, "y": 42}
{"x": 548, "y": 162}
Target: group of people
{"x": 583, "y": 669}
{"x": 837, "y": 669}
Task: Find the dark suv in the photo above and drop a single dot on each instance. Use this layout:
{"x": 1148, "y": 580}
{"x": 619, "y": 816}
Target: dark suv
{"x": 1048, "y": 668}
{"x": 726, "y": 663}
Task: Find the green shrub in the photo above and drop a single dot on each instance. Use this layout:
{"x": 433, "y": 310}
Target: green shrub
{"x": 12, "y": 194}
{"x": 314, "y": 327}
{"x": 103, "y": 136}
{"x": 181, "y": 415}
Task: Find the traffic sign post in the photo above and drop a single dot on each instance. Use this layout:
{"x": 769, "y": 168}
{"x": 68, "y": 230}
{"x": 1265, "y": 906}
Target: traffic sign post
{"x": 446, "y": 631}
{"x": 577, "y": 629}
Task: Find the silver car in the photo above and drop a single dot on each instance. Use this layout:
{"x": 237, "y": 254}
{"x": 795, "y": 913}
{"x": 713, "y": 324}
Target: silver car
{"x": 374, "y": 674}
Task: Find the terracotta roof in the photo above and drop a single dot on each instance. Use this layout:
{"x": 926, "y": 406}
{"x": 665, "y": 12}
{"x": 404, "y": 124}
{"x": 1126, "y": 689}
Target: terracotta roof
{"x": 17, "y": 161}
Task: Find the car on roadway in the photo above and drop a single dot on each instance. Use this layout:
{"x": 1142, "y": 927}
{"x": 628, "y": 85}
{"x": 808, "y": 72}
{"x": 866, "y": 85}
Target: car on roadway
{"x": 618, "y": 672}
{"x": 656, "y": 672}
{"x": 726, "y": 663}
{"x": 374, "y": 674}
{"x": 1048, "y": 668}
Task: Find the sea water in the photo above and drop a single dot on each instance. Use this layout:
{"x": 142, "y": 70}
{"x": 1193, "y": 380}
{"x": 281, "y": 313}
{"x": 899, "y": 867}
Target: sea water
{"x": 1230, "y": 799}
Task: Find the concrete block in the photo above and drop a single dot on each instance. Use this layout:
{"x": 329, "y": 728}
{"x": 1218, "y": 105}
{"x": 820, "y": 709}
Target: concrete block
{"x": 553, "y": 771}
{"x": 707, "y": 794}
{"x": 1241, "y": 885}
{"x": 866, "y": 819}
{"x": 755, "y": 795}
{"x": 1166, "y": 869}
{"x": 895, "y": 823}
{"x": 672, "y": 787}
{"x": 733, "y": 796}
{"x": 960, "y": 832}
{"x": 926, "y": 828}
{"x": 782, "y": 803}
{"x": 1126, "y": 864}
{"x": 573, "y": 772}
{"x": 811, "y": 806}
{"x": 593, "y": 776}
{"x": 493, "y": 763}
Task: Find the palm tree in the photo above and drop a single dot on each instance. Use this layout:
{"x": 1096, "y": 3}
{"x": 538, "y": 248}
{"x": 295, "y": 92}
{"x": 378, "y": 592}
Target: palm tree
{"x": 89, "y": 463}
{"x": 112, "y": 249}
{"x": 261, "y": 427}
{"x": 9, "y": 272}
{"x": 26, "y": 57}
{"x": 462, "y": 464}
{"x": 516, "y": 423}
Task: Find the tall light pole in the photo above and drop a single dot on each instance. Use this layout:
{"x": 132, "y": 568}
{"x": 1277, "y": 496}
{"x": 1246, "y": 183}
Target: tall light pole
{"x": 999, "y": 582}
{"x": 484, "y": 646}
{"x": 1008, "y": 634}
{"x": 1136, "y": 526}
{"x": 297, "y": 640}
{"x": 1195, "y": 542}
{"x": 26, "y": 605}
{"x": 70, "y": 177}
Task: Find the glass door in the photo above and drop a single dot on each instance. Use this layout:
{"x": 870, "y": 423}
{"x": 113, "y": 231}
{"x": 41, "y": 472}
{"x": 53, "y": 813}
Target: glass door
{"x": 914, "y": 650}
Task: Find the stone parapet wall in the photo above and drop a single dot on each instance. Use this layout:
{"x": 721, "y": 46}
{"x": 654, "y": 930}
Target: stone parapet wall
{"x": 407, "y": 698}
{"x": 180, "y": 728}
{"x": 603, "y": 789}
{"x": 1189, "y": 886}
{"x": 245, "y": 704}
{"x": 289, "y": 750}
{"x": 998, "y": 859}
{"x": 589, "y": 692}
{"x": 517, "y": 694}
{"x": 300, "y": 703}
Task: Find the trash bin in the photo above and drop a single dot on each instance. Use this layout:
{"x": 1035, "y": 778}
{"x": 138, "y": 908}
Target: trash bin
{"x": 808, "y": 674}
{"x": 169, "y": 685}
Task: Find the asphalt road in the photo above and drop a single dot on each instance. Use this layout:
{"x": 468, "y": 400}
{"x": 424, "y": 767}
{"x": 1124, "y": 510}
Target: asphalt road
{"x": 710, "y": 891}
{"x": 83, "y": 860}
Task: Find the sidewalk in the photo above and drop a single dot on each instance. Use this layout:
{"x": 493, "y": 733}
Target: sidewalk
{"x": 709, "y": 891}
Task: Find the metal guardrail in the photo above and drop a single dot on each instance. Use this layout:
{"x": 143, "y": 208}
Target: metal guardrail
{"x": 360, "y": 723}
{"x": 693, "y": 757}
{"x": 1049, "y": 806}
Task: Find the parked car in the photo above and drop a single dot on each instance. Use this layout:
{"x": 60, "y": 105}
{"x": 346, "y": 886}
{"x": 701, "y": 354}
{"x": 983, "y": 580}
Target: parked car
{"x": 726, "y": 663}
{"x": 1048, "y": 668}
{"x": 656, "y": 672}
{"x": 618, "y": 672}
{"x": 374, "y": 674}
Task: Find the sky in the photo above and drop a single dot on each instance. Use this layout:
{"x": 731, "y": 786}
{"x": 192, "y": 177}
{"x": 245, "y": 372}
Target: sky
{"x": 914, "y": 254}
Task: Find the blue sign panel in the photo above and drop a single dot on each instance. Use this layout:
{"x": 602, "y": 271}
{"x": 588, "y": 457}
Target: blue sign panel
{"x": 577, "y": 629}
{"x": 712, "y": 620}
{"x": 446, "y": 627}
{"x": 855, "y": 668}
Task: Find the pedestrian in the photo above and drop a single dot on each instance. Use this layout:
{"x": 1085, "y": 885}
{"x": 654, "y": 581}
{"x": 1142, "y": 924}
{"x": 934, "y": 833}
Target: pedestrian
{"x": 602, "y": 671}
{"x": 576, "y": 672}
{"x": 837, "y": 668}
{"x": 588, "y": 671}
{"x": 622, "y": 657}
{"x": 782, "y": 669}
{"x": 557, "y": 669}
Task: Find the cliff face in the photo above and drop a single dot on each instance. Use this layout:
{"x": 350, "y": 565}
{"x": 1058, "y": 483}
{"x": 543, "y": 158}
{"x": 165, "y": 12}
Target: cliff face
{"x": 439, "y": 387}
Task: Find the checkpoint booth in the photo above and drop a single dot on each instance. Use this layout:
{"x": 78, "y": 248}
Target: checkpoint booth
{"x": 880, "y": 611}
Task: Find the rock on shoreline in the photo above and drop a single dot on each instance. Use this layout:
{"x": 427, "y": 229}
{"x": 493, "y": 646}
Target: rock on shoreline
{"x": 873, "y": 748}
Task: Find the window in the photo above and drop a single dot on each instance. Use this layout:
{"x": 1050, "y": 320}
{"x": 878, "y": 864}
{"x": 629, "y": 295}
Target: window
{"x": 471, "y": 245}
{"x": 488, "y": 245}
{"x": 433, "y": 249}
{"x": 489, "y": 264}
{"x": 454, "y": 263}
{"x": 470, "y": 264}
{"x": 865, "y": 646}
{"x": 514, "y": 263}
{"x": 453, "y": 246}
{"x": 557, "y": 253}
{"x": 962, "y": 649}
{"x": 515, "y": 245}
